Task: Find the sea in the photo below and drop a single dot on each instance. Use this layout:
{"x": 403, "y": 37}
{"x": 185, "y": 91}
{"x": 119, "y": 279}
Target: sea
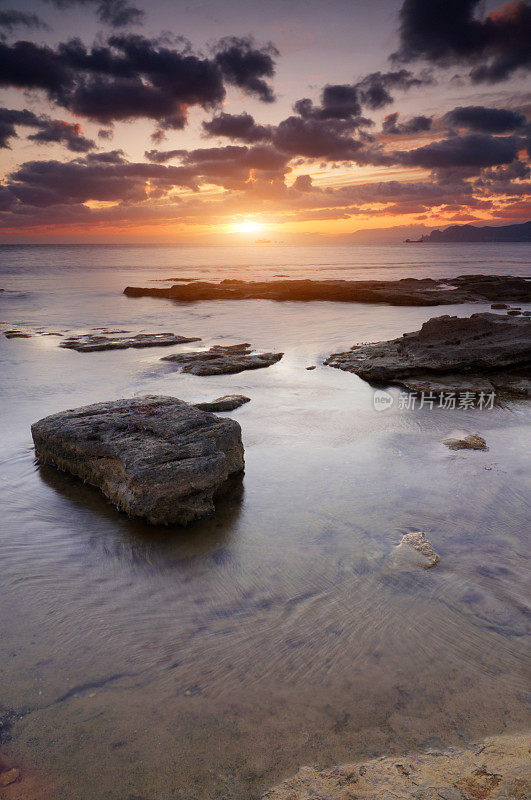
{"x": 211, "y": 662}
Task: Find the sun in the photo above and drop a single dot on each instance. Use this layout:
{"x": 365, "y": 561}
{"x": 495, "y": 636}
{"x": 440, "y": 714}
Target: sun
{"x": 247, "y": 226}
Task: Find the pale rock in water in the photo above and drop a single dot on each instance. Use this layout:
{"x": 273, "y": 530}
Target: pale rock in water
{"x": 472, "y": 441}
{"x": 418, "y": 543}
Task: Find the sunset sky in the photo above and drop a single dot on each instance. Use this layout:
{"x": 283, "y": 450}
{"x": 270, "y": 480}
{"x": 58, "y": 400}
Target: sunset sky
{"x": 232, "y": 121}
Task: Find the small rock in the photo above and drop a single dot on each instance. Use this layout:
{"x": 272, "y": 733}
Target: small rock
{"x": 499, "y": 305}
{"x": 223, "y": 360}
{"x": 310, "y": 368}
{"x": 9, "y": 777}
{"x": 514, "y": 312}
{"x": 419, "y": 543}
{"x": 473, "y": 441}
{"x": 16, "y": 334}
{"x": 228, "y": 402}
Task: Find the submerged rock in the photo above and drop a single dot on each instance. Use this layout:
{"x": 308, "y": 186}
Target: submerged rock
{"x": 473, "y": 441}
{"x": 484, "y": 352}
{"x": 421, "y": 545}
{"x": 404, "y": 292}
{"x": 153, "y": 457}
{"x": 223, "y": 360}
{"x": 16, "y": 334}
{"x": 90, "y": 343}
{"x": 229, "y": 402}
{"x": 492, "y": 769}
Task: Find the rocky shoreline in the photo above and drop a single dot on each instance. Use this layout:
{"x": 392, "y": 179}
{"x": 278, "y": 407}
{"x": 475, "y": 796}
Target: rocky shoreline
{"x": 482, "y": 353}
{"x": 404, "y": 292}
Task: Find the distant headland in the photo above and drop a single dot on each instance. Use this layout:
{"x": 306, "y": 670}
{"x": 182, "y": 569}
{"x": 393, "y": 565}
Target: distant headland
{"x": 471, "y": 233}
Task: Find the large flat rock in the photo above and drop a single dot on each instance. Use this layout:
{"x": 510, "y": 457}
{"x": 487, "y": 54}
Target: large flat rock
{"x": 405, "y": 292}
{"x": 153, "y": 457}
{"x": 483, "y": 352}
{"x": 223, "y": 360}
{"x": 495, "y": 768}
{"x": 90, "y": 343}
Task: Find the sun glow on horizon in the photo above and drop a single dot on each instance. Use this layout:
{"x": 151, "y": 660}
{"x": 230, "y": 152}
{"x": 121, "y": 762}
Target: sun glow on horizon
{"x": 247, "y": 226}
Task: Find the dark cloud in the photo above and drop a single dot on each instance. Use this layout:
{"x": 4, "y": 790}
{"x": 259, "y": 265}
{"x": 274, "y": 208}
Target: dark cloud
{"x": 240, "y": 127}
{"x": 338, "y": 101}
{"x": 473, "y": 150}
{"x": 494, "y": 176}
{"x": 162, "y": 156}
{"x": 375, "y": 89}
{"x": 26, "y": 65}
{"x": 231, "y": 166}
{"x": 102, "y": 177}
{"x": 315, "y": 138}
{"x": 303, "y": 183}
{"x": 11, "y": 19}
{"x": 67, "y": 133}
{"x": 130, "y": 76}
{"x": 9, "y": 118}
{"x": 116, "y": 13}
{"x": 110, "y": 157}
{"x": 391, "y": 125}
{"x": 485, "y": 120}
{"x": 344, "y": 101}
{"x": 105, "y": 133}
{"x": 49, "y": 130}
{"x": 245, "y": 65}
{"x": 449, "y": 31}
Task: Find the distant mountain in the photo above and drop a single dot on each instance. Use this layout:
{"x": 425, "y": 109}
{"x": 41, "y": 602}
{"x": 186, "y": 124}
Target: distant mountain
{"x": 489, "y": 233}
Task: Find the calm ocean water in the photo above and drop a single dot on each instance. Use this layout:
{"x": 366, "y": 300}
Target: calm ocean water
{"x": 210, "y": 662}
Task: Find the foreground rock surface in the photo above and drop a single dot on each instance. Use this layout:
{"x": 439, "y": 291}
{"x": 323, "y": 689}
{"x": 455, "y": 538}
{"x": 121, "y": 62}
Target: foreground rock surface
{"x": 153, "y": 457}
{"x": 493, "y": 769}
{"x": 484, "y": 352}
{"x": 229, "y": 402}
{"x": 223, "y": 360}
{"x": 90, "y": 343}
{"x": 405, "y": 292}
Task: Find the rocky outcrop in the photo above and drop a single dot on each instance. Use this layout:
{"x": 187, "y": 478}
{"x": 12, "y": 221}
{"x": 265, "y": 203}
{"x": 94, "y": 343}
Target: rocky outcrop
{"x": 229, "y": 402}
{"x": 223, "y": 360}
{"x": 405, "y": 292}
{"x": 493, "y": 769}
{"x": 472, "y": 441}
{"x": 91, "y": 342}
{"x": 481, "y": 353}
{"x": 153, "y": 457}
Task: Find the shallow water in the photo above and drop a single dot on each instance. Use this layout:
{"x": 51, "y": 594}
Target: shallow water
{"x": 210, "y": 662}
